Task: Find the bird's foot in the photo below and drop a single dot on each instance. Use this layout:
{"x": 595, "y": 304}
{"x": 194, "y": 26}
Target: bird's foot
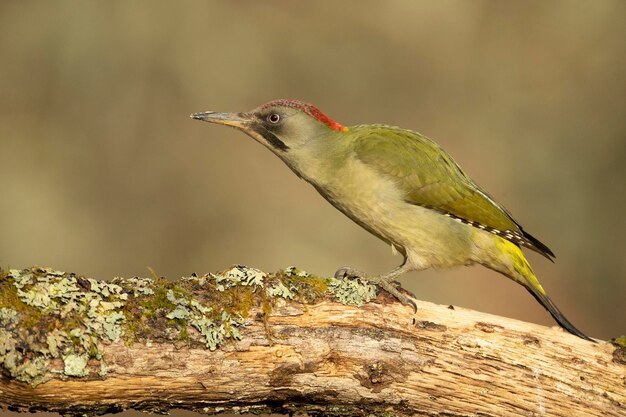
{"x": 386, "y": 283}
{"x": 392, "y": 287}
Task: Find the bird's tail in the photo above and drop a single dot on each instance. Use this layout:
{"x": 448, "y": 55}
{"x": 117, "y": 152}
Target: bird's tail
{"x": 547, "y": 303}
{"x": 517, "y": 268}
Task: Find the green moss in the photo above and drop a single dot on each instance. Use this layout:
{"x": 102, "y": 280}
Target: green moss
{"x": 158, "y": 300}
{"x": 29, "y": 315}
{"x": 385, "y": 413}
{"x": 238, "y": 300}
{"x": 132, "y": 320}
{"x": 184, "y": 334}
{"x": 305, "y": 287}
{"x": 143, "y": 311}
{"x": 266, "y": 305}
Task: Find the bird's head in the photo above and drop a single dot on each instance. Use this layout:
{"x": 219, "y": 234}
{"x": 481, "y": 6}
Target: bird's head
{"x": 281, "y": 125}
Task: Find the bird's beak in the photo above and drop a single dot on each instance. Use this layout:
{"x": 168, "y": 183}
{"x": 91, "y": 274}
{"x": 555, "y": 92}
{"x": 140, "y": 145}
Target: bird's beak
{"x": 239, "y": 120}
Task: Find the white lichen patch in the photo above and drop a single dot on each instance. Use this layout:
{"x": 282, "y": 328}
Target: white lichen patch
{"x": 181, "y": 302}
{"x": 55, "y": 340}
{"x": 8, "y": 317}
{"x": 32, "y": 370}
{"x": 49, "y": 293}
{"x": 137, "y": 286}
{"x": 107, "y": 289}
{"x": 111, "y": 327}
{"x": 9, "y": 357}
{"x": 14, "y": 363}
{"x": 199, "y": 317}
{"x": 54, "y": 292}
{"x": 216, "y": 333}
{"x": 202, "y": 280}
{"x": 102, "y": 372}
{"x": 180, "y": 312}
{"x": 20, "y": 278}
{"x": 178, "y": 299}
{"x": 87, "y": 312}
{"x": 75, "y": 365}
{"x": 281, "y": 290}
{"x": 239, "y": 275}
{"x": 352, "y": 291}
{"x": 294, "y": 271}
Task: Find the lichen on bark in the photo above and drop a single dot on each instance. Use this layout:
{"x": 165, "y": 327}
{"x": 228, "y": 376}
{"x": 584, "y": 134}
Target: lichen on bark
{"x": 54, "y": 324}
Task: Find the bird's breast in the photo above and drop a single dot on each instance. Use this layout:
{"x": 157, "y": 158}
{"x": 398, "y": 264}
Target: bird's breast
{"x": 377, "y": 203}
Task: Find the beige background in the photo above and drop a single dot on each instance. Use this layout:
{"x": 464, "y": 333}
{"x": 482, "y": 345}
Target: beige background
{"x": 103, "y": 173}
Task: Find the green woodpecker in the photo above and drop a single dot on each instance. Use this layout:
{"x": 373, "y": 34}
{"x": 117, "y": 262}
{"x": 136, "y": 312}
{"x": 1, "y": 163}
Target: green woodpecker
{"x": 401, "y": 187}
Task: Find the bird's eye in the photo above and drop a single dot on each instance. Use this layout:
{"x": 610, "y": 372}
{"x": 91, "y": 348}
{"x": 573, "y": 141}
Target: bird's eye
{"x": 273, "y": 118}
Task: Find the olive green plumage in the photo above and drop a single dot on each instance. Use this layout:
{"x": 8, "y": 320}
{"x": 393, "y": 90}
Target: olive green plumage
{"x": 430, "y": 178}
{"x": 400, "y": 186}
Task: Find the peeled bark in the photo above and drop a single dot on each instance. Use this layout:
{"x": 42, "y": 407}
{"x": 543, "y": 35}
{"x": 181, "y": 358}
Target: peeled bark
{"x": 287, "y": 345}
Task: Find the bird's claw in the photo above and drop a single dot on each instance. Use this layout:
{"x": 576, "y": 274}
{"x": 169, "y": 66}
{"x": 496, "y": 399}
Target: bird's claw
{"x": 391, "y": 287}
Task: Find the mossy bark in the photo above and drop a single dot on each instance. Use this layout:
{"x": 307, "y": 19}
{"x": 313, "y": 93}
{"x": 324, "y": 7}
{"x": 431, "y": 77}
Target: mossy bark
{"x": 245, "y": 341}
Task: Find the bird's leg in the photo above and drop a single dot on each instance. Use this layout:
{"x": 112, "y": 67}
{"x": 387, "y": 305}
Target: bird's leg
{"x": 386, "y": 281}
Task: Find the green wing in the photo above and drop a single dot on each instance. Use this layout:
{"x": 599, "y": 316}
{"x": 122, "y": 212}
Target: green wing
{"x": 430, "y": 178}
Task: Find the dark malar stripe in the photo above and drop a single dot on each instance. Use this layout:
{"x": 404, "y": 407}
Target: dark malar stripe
{"x": 270, "y": 137}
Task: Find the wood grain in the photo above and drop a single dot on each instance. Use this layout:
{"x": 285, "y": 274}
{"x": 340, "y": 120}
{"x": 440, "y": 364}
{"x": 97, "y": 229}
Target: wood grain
{"x": 327, "y": 358}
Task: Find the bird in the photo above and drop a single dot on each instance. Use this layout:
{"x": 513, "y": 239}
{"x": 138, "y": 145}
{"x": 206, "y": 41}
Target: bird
{"x": 400, "y": 186}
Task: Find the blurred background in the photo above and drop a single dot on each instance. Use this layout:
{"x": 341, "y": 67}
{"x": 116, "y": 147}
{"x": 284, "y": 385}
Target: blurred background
{"x": 103, "y": 173}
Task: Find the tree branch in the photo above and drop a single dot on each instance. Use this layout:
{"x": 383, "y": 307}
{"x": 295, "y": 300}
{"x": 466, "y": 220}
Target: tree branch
{"x": 287, "y": 342}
